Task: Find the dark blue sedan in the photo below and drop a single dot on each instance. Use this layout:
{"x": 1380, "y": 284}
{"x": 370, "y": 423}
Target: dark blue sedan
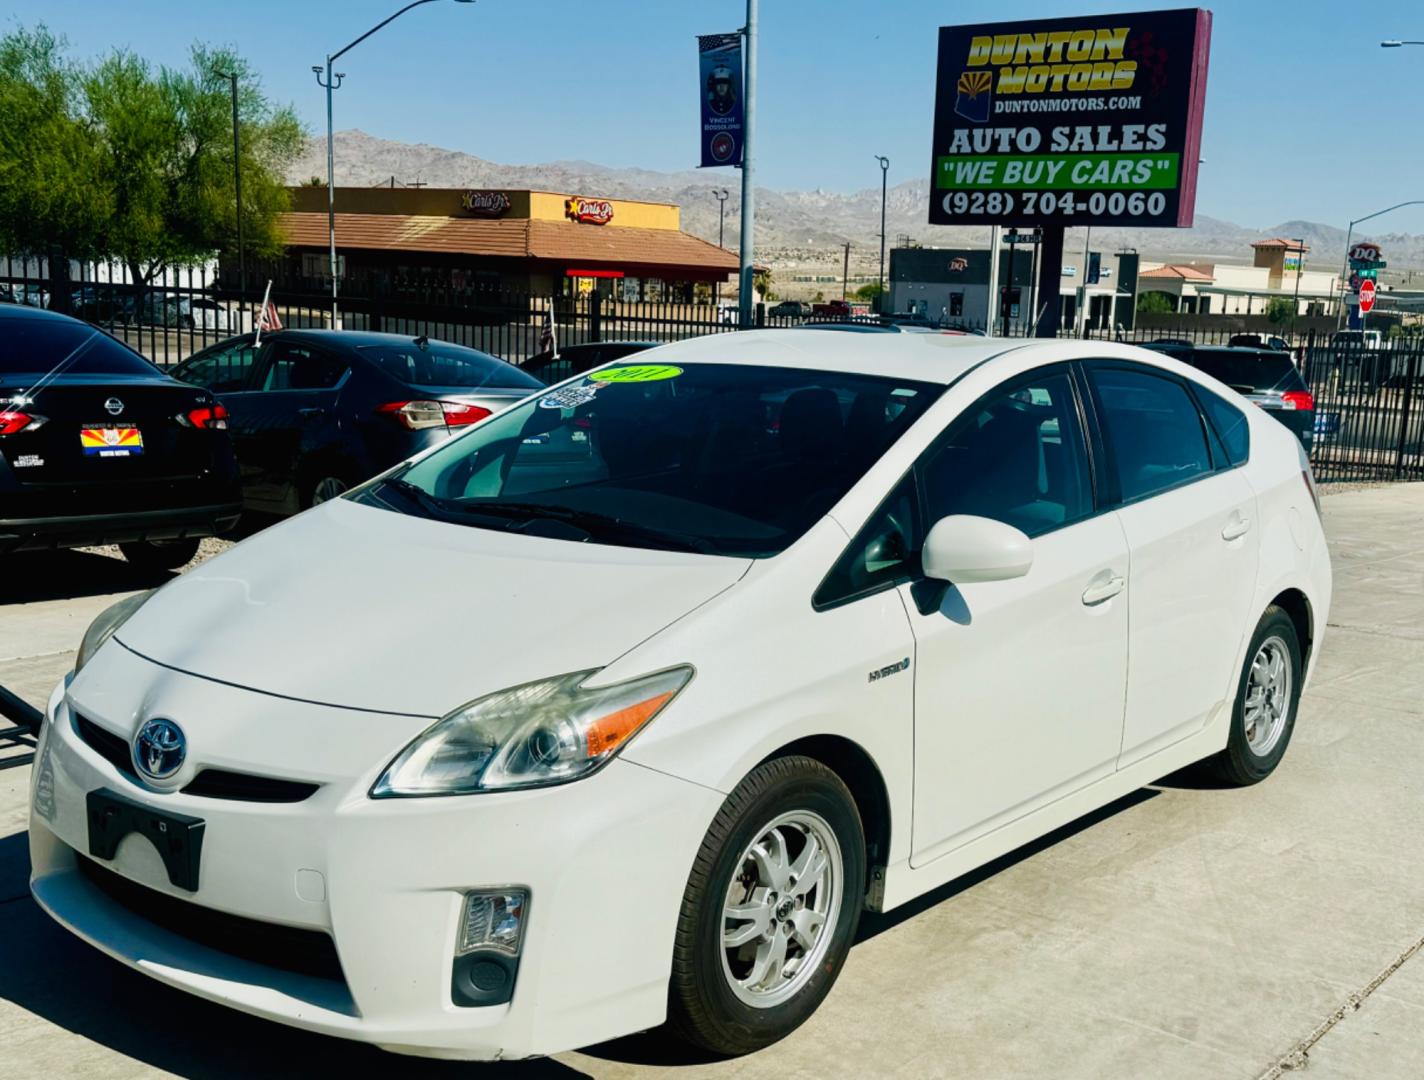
{"x": 315, "y": 412}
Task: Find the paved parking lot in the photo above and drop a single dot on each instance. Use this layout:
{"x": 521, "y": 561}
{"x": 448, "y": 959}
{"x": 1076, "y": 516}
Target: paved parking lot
{"x": 1182, "y": 932}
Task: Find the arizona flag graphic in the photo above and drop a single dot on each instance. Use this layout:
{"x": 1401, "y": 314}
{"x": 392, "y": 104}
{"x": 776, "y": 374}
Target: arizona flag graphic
{"x": 110, "y": 441}
{"x": 974, "y": 95}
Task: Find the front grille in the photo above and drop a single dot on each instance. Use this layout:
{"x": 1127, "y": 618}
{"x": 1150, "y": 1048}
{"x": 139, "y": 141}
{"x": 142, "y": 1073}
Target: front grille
{"x": 303, "y": 952}
{"x": 112, "y": 748}
{"x": 208, "y": 784}
{"x": 221, "y": 784}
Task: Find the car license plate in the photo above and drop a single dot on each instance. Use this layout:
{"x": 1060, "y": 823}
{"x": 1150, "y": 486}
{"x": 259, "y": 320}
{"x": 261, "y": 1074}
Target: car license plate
{"x": 178, "y": 837}
{"x": 108, "y": 440}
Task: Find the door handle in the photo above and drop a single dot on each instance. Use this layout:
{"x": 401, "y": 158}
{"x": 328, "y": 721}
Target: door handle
{"x": 1103, "y": 587}
{"x": 1236, "y": 527}
{"x": 308, "y": 413}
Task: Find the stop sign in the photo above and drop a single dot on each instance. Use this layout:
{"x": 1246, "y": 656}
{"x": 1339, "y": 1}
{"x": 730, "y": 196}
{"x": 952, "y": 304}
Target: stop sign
{"x": 1367, "y": 296}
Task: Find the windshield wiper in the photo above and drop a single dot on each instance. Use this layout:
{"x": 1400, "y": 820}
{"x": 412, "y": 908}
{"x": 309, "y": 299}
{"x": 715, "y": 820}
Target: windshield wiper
{"x": 591, "y": 521}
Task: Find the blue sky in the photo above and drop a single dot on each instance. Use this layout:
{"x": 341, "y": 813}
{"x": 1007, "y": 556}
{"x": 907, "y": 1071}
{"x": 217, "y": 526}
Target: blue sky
{"x": 1292, "y": 126}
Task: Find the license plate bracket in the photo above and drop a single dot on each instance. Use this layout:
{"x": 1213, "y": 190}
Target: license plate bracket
{"x": 111, "y": 440}
{"x": 177, "y": 837}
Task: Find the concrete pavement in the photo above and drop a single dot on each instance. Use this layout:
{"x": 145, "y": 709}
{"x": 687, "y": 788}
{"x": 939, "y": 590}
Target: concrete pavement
{"x": 1182, "y": 932}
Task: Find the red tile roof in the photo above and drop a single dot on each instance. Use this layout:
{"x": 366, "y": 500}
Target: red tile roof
{"x": 518, "y": 238}
{"x": 1281, "y": 242}
{"x": 1183, "y": 273}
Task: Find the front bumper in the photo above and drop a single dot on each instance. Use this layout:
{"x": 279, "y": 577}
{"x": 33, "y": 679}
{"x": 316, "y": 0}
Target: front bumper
{"x": 82, "y": 530}
{"x": 605, "y": 861}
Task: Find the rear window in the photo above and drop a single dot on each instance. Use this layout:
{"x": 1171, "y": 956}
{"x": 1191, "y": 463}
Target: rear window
{"x": 49, "y": 346}
{"x": 440, "y": 365}
{"x": 1248, "y": 372}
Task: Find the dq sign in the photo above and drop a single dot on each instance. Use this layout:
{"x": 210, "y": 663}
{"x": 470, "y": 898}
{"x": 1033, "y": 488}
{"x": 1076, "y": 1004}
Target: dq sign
{"x": 589, "y": 211}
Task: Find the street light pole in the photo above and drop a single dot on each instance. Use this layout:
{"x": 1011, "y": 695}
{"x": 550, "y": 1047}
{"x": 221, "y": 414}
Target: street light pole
{"x": 884, "y": 171}
{"x": 329, "y": 85}
{"x": 747, "y": 271}
{"x": 1299, "y": 269}
{"x": 231, "y": 77}
{"x": 721, "y": 195}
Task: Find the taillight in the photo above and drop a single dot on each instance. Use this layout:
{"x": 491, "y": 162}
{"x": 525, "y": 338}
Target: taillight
{"x": 1302, "y": 400}
{"x": 420, "y": 415}
{"x": 12, "y": 421}
{"x": 208, "y": 417}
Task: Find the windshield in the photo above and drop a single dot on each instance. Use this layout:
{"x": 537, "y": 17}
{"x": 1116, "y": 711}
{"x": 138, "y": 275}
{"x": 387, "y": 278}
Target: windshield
{"x": 437, "y": 364}
{"x": 61, "y": 347}
{"x": 1249, "y": 371}
{"x": 717, "y": 458}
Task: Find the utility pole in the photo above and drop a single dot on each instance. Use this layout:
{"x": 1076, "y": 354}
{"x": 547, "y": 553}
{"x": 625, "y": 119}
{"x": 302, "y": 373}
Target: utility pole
{"x": 721, "y": 195}
{"x": 884, "y": 171}
{"x": 845, "y": 272}
{"x": 231, "y": 77}
{"x": 1299, "y": 269}
{"x": 745, "y": 280}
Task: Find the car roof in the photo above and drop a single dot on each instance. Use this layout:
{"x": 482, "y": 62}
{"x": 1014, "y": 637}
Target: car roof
{"x": 941, "y": 358}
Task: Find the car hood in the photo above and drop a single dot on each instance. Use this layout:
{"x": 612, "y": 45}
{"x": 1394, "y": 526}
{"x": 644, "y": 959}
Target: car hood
{"x": 361, "y": 607}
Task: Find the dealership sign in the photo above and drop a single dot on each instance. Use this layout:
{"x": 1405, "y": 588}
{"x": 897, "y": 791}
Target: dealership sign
{"x": 590, "y": 211}
{"x": 1091, "y": 121}
{"x": 485, "y": 203}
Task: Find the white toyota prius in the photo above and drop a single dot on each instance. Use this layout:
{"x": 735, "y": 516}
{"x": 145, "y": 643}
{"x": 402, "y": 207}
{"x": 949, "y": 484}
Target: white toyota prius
{"x": 623, "y": 706}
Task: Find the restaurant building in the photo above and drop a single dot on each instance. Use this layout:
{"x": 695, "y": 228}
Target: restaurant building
{"x": 540, "y": 243}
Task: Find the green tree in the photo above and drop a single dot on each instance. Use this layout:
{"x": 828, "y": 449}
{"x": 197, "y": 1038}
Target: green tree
{"x": 870, "y": 291}
{"x": 1280, "y": 309}
{"x": 143, "y": 157}
{"x": 1155, "y": 303}
{"x": 49, "y": 162}
{"x": 762, "y": 282}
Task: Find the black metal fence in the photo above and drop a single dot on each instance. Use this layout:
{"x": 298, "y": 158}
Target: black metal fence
{"x": 1369, "y": 416}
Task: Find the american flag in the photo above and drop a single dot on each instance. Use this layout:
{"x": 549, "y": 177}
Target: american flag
{"x": 549, "y": 339}
{"x": 270, "y": 319}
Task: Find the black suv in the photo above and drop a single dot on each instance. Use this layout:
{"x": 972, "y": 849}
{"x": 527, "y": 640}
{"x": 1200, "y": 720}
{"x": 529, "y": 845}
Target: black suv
{"x": 1265, "y": 377}
{"x": 97, "y": 446}
{"x": 314, "y": 412}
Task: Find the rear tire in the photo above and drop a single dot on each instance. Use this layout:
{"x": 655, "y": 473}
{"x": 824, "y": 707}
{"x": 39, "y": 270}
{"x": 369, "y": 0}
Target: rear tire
{"x": 1267, "y": 699}
{"x": 323, "y": 488}
{"x": 160, "y": 554}
{"x": 786, "y": 853}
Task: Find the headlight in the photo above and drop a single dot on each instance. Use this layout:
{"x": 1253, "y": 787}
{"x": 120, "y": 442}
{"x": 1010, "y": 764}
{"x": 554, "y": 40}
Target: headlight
{"x": 103, "y": 627}
{"x": 540, "y": 733}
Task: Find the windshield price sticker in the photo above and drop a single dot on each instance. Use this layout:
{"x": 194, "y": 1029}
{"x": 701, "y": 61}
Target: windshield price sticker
{"x": 636, "y": 373}
{"x": 570, "y": 397}
{"x": 1092, "y": 121}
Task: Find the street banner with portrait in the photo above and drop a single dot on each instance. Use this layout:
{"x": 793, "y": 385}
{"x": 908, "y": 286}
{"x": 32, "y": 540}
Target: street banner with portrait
{"x": 720, "y": 87}
{"x": 1087, "y": 121}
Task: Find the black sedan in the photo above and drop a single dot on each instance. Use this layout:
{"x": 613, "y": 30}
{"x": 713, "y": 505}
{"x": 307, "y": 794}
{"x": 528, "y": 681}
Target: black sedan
{"x": 576, "y": 359}
{"x": 97, "y": 446}
{"x": 314, "y": 412}
{"x": 1265, "y": 377}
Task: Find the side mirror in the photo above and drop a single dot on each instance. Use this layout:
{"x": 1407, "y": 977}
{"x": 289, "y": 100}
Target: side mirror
{"x": 962, "y": 548}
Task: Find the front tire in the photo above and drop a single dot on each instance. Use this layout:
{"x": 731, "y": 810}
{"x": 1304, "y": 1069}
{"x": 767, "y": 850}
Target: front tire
{"x": 771, "y": 908}
{"x": 160, "y": 554}
{"x": 1267, "y": 699}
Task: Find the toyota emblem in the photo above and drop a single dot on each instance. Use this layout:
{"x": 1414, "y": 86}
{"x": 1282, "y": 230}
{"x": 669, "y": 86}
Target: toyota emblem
{"x": 159, "y": 749}
{"x": 113, "y": 406}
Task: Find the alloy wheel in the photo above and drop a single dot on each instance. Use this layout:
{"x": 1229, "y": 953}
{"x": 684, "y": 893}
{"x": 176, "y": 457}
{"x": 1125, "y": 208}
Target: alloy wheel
{"x": 1268, "y": 696}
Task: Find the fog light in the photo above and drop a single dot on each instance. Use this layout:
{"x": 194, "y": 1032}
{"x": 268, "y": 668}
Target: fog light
{"x": 493, "y": 919}
{"x": 487, "y": 949}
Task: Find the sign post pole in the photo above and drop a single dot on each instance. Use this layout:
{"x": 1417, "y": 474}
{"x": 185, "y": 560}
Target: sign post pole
{"x": 993, "y": 312}
{"x": 1050, "y": 272}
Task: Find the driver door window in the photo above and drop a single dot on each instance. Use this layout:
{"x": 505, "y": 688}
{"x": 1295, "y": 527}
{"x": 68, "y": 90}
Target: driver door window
{"x": 1018, "y": 456}
{"x": 222, "y": 370}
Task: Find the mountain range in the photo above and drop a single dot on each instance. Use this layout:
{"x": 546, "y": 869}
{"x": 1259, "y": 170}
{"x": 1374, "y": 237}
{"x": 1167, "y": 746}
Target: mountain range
{"x": 800, "y": 226}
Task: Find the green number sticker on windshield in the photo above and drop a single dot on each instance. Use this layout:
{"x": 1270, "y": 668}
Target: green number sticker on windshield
{"x": 636, "y": 373}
